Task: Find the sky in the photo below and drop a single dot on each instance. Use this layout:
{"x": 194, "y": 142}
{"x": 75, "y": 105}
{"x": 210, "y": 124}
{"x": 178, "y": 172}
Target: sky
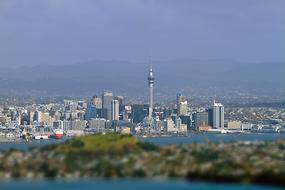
{"x": 60, "y": 32}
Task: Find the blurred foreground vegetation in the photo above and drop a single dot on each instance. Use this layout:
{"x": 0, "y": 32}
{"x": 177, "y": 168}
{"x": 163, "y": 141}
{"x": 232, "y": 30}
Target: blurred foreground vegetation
{"x": 122, "y": 156}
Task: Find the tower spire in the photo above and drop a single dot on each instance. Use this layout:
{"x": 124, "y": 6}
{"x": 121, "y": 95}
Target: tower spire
{"x": 150, "y": 90}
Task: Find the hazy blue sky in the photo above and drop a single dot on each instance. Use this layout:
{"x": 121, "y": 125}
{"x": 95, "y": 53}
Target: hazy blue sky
{"x": 69, "y": 31}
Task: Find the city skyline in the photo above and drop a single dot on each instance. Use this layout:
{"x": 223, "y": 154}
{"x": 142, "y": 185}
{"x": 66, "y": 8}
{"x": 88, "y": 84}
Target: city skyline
{"x": 142, "y": 94}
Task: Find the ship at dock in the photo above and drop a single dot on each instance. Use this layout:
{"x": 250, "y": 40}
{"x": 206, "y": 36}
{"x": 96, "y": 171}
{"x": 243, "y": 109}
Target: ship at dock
{"x": 57, "y": 134}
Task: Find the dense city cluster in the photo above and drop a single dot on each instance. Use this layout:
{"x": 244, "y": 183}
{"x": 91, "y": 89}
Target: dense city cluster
{"x": 108, "y": 113}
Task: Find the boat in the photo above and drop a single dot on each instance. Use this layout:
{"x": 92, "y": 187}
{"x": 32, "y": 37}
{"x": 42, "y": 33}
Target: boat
{"x": 58, "y": 134}
{"x": 216, "y": 131}
{"x": 41, "y": 137}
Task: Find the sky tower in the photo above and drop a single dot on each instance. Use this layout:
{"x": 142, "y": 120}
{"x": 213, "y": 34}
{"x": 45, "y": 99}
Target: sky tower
{"x": 150, "y": 92}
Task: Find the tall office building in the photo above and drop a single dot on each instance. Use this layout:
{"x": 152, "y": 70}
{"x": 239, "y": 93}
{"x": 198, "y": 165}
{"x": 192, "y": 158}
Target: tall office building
{"x": 38, "y": 116}
{"x": 31, "y": 117}
{"x": 182, "y": 105}
{"x": 150, "y": 92}
{"x": 107, "y": 98}
{"x": 200, "y": 119}
{"x": 121, "y": 103}
{"x": 91, "y": 112}
{"x": 97, "y": 102}
{"x": 115, "y": 110}
{"x": 139, "y": 112}
{"x": 216, "y": 116}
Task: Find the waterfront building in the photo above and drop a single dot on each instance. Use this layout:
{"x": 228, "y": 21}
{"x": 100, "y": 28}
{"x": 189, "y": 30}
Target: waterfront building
{"x": 65, "y": 125}
{"x": 78, "y": 125}
{"x": 247, "y": 126}
{"x": 183, "y": 128}
{"x": 178, "y": 123}
{"x": 200, "y": 119}
{"x": 234, "y": 125}
{"x": 216, "y": 116}
{"x": 98, "y": 124}
{"x": 169, "y": 125}
{"x": 186, "y": 119}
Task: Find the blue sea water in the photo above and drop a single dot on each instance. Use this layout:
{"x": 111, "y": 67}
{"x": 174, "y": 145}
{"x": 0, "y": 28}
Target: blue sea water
{"x": 125, "y": 185}
{"x": 215, "y": 138}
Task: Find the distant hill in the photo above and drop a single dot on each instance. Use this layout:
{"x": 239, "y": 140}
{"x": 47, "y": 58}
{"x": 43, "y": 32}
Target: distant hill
{"x": 130, "y": 77}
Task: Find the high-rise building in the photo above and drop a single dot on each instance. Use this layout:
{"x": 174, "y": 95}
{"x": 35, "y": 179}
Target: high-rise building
{"x": 186, "y": 119}
{"x": 91, "y": 112}
{"x": 121, "y": 103}
{"x": 139, "y": 112}
{"x": 31, "y": 117}
{"x": 170, "y": 125}
{"x": 216, "y": 116}
{"x": 107, "y": 98}
{"x": 200, "y": 119}
{"x": 38, "y": 116}
{"x": 182, "y": 105}
{"x": 101, "y": 113}
{"x": 97, "y": 101}
{"x": 115, "y": 110}
{"x": 45, "y": 119}
{"x": 150, "y": 92}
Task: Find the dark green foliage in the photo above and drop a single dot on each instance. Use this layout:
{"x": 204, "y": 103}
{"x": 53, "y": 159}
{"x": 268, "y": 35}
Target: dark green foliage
{"x": 76, "y": 143}
{"x": 138, "y": 173}
{"x": 147, "y": 146}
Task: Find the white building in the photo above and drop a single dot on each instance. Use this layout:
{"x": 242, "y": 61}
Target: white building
{"x": 115, "y": 110}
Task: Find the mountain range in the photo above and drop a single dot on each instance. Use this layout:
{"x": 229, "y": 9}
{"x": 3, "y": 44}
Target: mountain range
{"x": 130, "y": 78}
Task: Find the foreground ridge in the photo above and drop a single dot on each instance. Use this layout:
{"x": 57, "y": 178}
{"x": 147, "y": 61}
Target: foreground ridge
{"x": 124, "y": 156}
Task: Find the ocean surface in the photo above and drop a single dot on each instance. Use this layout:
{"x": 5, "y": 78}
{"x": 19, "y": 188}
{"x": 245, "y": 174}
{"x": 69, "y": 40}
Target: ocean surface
{"x": 161, "y": 141}
{"x": 215, "y": 138}
{"x": 126, "y": 185}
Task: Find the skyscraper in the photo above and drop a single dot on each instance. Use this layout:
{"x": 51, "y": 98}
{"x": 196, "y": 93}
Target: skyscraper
{"x": 107, "y": 98}
{"x": 97, "y": 101}
{"x": 91, "y": 112}
{"x": 182, "y": 105}
{"x": 200, "y": 119}
{"x": 115, "y": 110}
{"x": 216, "y": 116}
{"x": 150, "y": 91}
{"x": 121, "y": 103}
{"x": 139, "y": 112}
